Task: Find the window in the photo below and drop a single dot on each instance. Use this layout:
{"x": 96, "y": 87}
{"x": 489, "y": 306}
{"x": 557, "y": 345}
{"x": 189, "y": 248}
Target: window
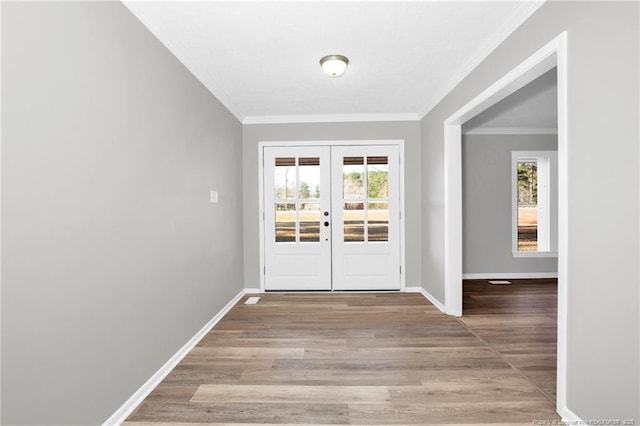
{"x": 297, "y": 199}
{"x": 365, "y": 194}
{"x": 532, "y": 206}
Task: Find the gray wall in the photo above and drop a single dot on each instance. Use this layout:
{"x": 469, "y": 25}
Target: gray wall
{"x": 112, "y": 255}
{"x": 486, "y": 204}
{"x": 603, "y": 47}
{"x": 409, "y": 131}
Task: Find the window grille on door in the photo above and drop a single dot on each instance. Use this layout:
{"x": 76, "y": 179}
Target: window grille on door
{"x": 297, "y": 199}
{"x": 365, "y": 197}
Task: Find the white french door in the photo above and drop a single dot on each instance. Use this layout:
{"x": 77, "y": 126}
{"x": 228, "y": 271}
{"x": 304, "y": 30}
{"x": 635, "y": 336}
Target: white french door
{"x": 366, "y": 221}
{"x": 297, "y": 205}
{"x": 332, "y": 218}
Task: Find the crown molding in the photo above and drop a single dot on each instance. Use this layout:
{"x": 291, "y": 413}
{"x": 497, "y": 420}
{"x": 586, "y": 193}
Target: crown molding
{"x": 517, "y": 19}
{"x": 328, "y": 118}
{"x": 511, "y": 131}
{"x": 209, "y": 82}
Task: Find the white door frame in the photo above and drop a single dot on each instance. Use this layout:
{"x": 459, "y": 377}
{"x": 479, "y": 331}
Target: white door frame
{"x": 261, "y": 145}
{"x": 552, "y": 54}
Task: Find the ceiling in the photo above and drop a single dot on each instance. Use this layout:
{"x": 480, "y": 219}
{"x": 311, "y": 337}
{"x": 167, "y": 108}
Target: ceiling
{"x": 531, "y": 109}
{"x": 261, "y": 58}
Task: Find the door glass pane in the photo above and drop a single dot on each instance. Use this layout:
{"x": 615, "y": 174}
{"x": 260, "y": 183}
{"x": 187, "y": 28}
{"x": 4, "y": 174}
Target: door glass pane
{"x": 378, "y": 221}
{"x": 309, "y": 222}
{"x": 378, "y": 177}
{"x": 285, "y": 222}
{"x": 353, "y": 221}
{"x": 353, "y": 178}
{"x": 285, "y": 178}
{"x": 527, "y": 206}
{"x": 309, "y": 176}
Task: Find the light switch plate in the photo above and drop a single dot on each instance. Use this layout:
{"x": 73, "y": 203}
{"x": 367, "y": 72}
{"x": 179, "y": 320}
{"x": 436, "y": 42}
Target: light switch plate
{"x": 214, "y": 196}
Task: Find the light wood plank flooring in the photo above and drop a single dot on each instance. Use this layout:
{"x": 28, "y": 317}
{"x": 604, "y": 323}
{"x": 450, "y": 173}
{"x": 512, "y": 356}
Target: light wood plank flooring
{"x": 384, "y": 358}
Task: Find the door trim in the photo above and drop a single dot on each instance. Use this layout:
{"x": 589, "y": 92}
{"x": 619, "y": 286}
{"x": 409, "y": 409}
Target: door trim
{"x": 554, "y": 53}
{"x": 261, "y": 210}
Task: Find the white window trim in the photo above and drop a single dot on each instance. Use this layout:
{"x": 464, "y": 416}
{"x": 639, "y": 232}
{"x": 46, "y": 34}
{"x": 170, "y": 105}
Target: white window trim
{"x": 518, "y": 254}
{"x": 545, "y": 160}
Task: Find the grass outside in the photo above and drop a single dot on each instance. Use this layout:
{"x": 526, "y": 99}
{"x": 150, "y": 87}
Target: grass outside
{"x": 527, "y": 229}
{"x": 378, "y": 225}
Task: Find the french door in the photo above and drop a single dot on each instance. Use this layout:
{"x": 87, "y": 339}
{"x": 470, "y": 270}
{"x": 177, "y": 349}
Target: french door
{"x": 297, "y": 218}
{"x": 332, "y": 218}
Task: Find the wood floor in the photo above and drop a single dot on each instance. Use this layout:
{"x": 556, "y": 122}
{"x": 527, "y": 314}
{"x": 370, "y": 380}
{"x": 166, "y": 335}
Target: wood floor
{"x": 373, "y": 359}
{"x": 520, "y": 322}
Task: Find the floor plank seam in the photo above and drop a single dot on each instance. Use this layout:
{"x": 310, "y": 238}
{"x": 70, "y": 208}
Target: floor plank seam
{"x": 493, "y": 349}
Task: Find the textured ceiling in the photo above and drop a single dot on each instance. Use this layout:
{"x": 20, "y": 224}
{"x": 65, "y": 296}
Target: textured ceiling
{"x": 261, "y": 58}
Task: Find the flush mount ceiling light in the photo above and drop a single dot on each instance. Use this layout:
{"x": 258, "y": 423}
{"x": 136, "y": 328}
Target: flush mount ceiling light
{"x": 334, "y": 65}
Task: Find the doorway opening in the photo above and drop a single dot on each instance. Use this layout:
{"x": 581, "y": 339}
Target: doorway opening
{"x": 551, "y": 55}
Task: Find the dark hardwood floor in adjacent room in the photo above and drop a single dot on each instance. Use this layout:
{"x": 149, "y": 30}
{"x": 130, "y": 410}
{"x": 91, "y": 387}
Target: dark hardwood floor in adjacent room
{"x": 520, "y": 322}
{"x": 384, "y": 358}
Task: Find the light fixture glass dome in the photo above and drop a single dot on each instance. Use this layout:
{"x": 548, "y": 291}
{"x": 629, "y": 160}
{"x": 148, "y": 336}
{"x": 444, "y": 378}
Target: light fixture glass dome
{"x": 334, "y": 65}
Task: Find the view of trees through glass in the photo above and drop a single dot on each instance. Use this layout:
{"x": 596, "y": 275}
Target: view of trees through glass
{"x": 527, "y": 206}
{"x": 297, "y": 187}
{"x": 365, "y": 196}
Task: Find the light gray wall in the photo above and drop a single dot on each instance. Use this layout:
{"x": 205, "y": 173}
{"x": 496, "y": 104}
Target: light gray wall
{"x": 603, "y": 231}
{"x": 533, "y": 106}
{"x": 486, "y": 204}
{"x": 112, "y": 255}
{"x": 409, "y": 131}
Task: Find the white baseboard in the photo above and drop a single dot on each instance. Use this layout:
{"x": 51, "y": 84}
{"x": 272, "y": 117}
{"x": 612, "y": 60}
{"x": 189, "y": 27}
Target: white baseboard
{"x": 512, "y": 275}
{"x": 427, "y": 295}
{"x": 570, "y": 418}
{"x": 252, "y": 291}
{"x": 136, "y": 399}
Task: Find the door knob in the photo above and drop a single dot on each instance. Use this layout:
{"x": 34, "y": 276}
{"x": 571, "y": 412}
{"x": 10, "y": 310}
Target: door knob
{"x": 326, "y": 213}
{"x": 326, "y": 224}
